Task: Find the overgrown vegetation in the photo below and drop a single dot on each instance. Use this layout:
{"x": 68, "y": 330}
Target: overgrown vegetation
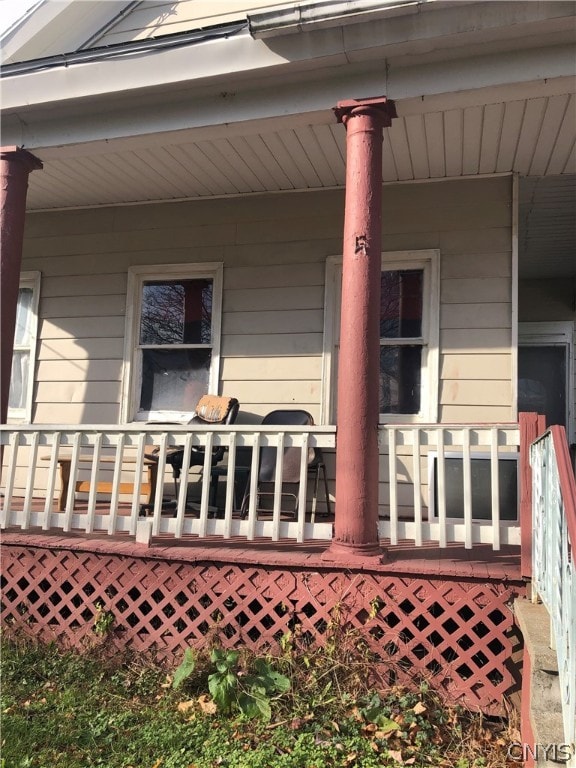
{"x": 304, "y": 708}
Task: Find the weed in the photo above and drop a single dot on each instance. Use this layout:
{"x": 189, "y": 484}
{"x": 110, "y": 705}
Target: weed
{"x": 104, "y": 620}
{"x": 232, "y": 686}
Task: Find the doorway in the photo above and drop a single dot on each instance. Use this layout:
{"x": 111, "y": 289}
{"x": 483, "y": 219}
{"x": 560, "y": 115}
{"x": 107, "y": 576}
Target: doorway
{"x": 546, "y": 371}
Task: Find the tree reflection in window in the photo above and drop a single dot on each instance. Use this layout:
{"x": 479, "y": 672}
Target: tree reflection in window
{"x": 176, "y": 343}
{"x": 176, "y": 312}
{"x": 401, "y": 342}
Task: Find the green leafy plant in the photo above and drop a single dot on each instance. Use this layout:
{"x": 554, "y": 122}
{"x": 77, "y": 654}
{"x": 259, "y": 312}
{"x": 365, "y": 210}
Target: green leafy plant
{"x": 104, "y": 620}
{"x": 375, "y": 712}
{"x": 251, "y": 691}
{"x": 185, "y": 669}
{"x": 232, "y": 686}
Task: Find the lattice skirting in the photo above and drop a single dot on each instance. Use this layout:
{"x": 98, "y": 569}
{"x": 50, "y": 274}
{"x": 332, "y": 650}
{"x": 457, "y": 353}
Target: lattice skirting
{"x": 458, "y": 634}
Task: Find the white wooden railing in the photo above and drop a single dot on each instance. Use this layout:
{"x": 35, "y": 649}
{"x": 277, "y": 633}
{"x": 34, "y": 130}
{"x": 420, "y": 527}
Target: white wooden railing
{"x": 554, "y": 558}
{"x": 460, "y": 467}
{"x": 100, "y": 459}
{"x": 108, "y": 469}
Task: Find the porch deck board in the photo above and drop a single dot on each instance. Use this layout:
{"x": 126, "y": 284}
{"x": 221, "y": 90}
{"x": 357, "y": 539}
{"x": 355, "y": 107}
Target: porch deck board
{"x": 479, "y": 564}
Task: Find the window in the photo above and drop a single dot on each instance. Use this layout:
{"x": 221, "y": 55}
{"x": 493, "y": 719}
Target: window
{"x": 409, "y": 306}
{"x": 174, "y": 339}
{"x": 481, "y": 486}
{"x": 401, "y": 340}
{"x": 22, "y": 376}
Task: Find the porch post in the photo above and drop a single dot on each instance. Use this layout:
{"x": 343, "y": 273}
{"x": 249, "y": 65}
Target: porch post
{"x": 15, "y": 165}
{"x": 356, "y": 517}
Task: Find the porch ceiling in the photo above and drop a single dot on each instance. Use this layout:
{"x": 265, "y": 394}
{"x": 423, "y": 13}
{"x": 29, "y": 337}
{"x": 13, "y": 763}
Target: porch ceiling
{"x": 533, "y": 136}
{"x": 446, "y": 136}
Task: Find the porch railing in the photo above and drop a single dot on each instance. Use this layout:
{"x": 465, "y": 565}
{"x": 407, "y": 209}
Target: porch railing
{"x": 98, "y": 460}
{"x": 445, "y": 483}
{"x": 99, "y": 479}
{"x": 554, "y": 557}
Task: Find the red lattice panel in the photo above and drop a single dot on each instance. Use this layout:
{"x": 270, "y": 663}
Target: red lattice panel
{"x": 457, "y": 634}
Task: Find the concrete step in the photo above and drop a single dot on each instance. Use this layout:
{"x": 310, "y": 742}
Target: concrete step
{"x": 544, "y": 688}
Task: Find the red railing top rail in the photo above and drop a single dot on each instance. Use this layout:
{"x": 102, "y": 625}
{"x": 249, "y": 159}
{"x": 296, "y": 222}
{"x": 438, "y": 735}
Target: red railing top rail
{"x": 532, "y": 426}
{"x": 567, "y": 480}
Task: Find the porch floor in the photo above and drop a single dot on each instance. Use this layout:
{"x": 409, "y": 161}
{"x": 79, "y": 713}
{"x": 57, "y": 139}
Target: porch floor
{"x": 478, "y": 564}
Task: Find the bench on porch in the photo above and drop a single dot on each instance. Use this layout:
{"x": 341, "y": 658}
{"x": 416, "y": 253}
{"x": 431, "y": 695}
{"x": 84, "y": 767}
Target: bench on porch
{"x": 147, "y": 488}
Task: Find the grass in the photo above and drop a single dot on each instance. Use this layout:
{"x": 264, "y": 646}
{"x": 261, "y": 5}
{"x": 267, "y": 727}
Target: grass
{"x": 69, "y": 710}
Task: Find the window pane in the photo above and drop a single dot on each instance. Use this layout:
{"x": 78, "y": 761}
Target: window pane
{"x": 176, "y": 312}
{"x": 400, "y": 379}
{"x": 19, "y": 380}
{"x": 401, "y": 303}
{"x": 23, "y": 317}
{"x": 174, "y": 380}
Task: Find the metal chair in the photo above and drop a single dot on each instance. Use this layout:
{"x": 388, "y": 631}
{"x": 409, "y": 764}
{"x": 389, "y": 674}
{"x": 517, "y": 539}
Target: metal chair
{"x": 290, "y": 466}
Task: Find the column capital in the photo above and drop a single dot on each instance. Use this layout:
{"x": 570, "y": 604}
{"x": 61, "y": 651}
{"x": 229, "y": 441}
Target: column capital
{"x": 377, "y": 106}
{"x": 20, "y": 155}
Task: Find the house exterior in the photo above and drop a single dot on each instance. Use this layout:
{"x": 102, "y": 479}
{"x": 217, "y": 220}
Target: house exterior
{"x": 191, "y": 170}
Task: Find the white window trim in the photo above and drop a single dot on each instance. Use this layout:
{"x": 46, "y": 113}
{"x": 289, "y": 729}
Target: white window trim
{"x": 29, "y": 280}
{"x": 131, "y": 377}
{"x": 429, "y": 261}
{"x": 551, "y": 334}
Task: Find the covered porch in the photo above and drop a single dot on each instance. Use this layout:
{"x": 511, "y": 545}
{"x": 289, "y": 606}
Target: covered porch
{"x": 189, "y": 174}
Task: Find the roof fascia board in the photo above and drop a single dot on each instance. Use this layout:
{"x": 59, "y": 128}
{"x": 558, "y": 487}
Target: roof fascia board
{"x": 240, "y": 57}
{"x": 61, "y": 24}
{"x": 36, "y": 23}
{"x": 181, "y": 66}
{"x": 116, "y": 52}
{"x": 415, "y": 106}
{"x": 508, "y": 76}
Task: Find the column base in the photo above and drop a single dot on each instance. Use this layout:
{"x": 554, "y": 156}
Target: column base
{"x": 339, "y": 552}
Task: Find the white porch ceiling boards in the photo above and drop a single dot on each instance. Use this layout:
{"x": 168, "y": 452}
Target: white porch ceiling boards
{"x": 530, "y": 136}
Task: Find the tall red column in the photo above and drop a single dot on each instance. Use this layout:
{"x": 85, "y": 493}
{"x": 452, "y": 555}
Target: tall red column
{"x": 356, "y": 520}
{"x": 15, "y": 165}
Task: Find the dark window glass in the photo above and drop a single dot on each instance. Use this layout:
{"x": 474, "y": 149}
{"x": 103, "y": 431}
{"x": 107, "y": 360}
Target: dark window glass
{"x": 400, "y": 379}
{"x": 176, "y": 312}
{"x": 401, "y": 304}
{"x": 481, "y": 480}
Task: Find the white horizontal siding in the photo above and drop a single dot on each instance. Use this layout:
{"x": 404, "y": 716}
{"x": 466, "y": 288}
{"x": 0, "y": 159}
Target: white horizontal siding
{"x": 151, "y": 19}
{"x": 274, "y": 250}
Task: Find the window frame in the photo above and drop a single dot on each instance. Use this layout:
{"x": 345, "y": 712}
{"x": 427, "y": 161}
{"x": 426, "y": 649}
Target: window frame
{"x": 429, "y": 261}
{"x": 132, "y": 365}
{"x": 29, "y": 279}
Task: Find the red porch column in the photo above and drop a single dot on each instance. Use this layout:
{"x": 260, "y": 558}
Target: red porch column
{"x": 15, "y": 165}
{"x": 356, "y": 519}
